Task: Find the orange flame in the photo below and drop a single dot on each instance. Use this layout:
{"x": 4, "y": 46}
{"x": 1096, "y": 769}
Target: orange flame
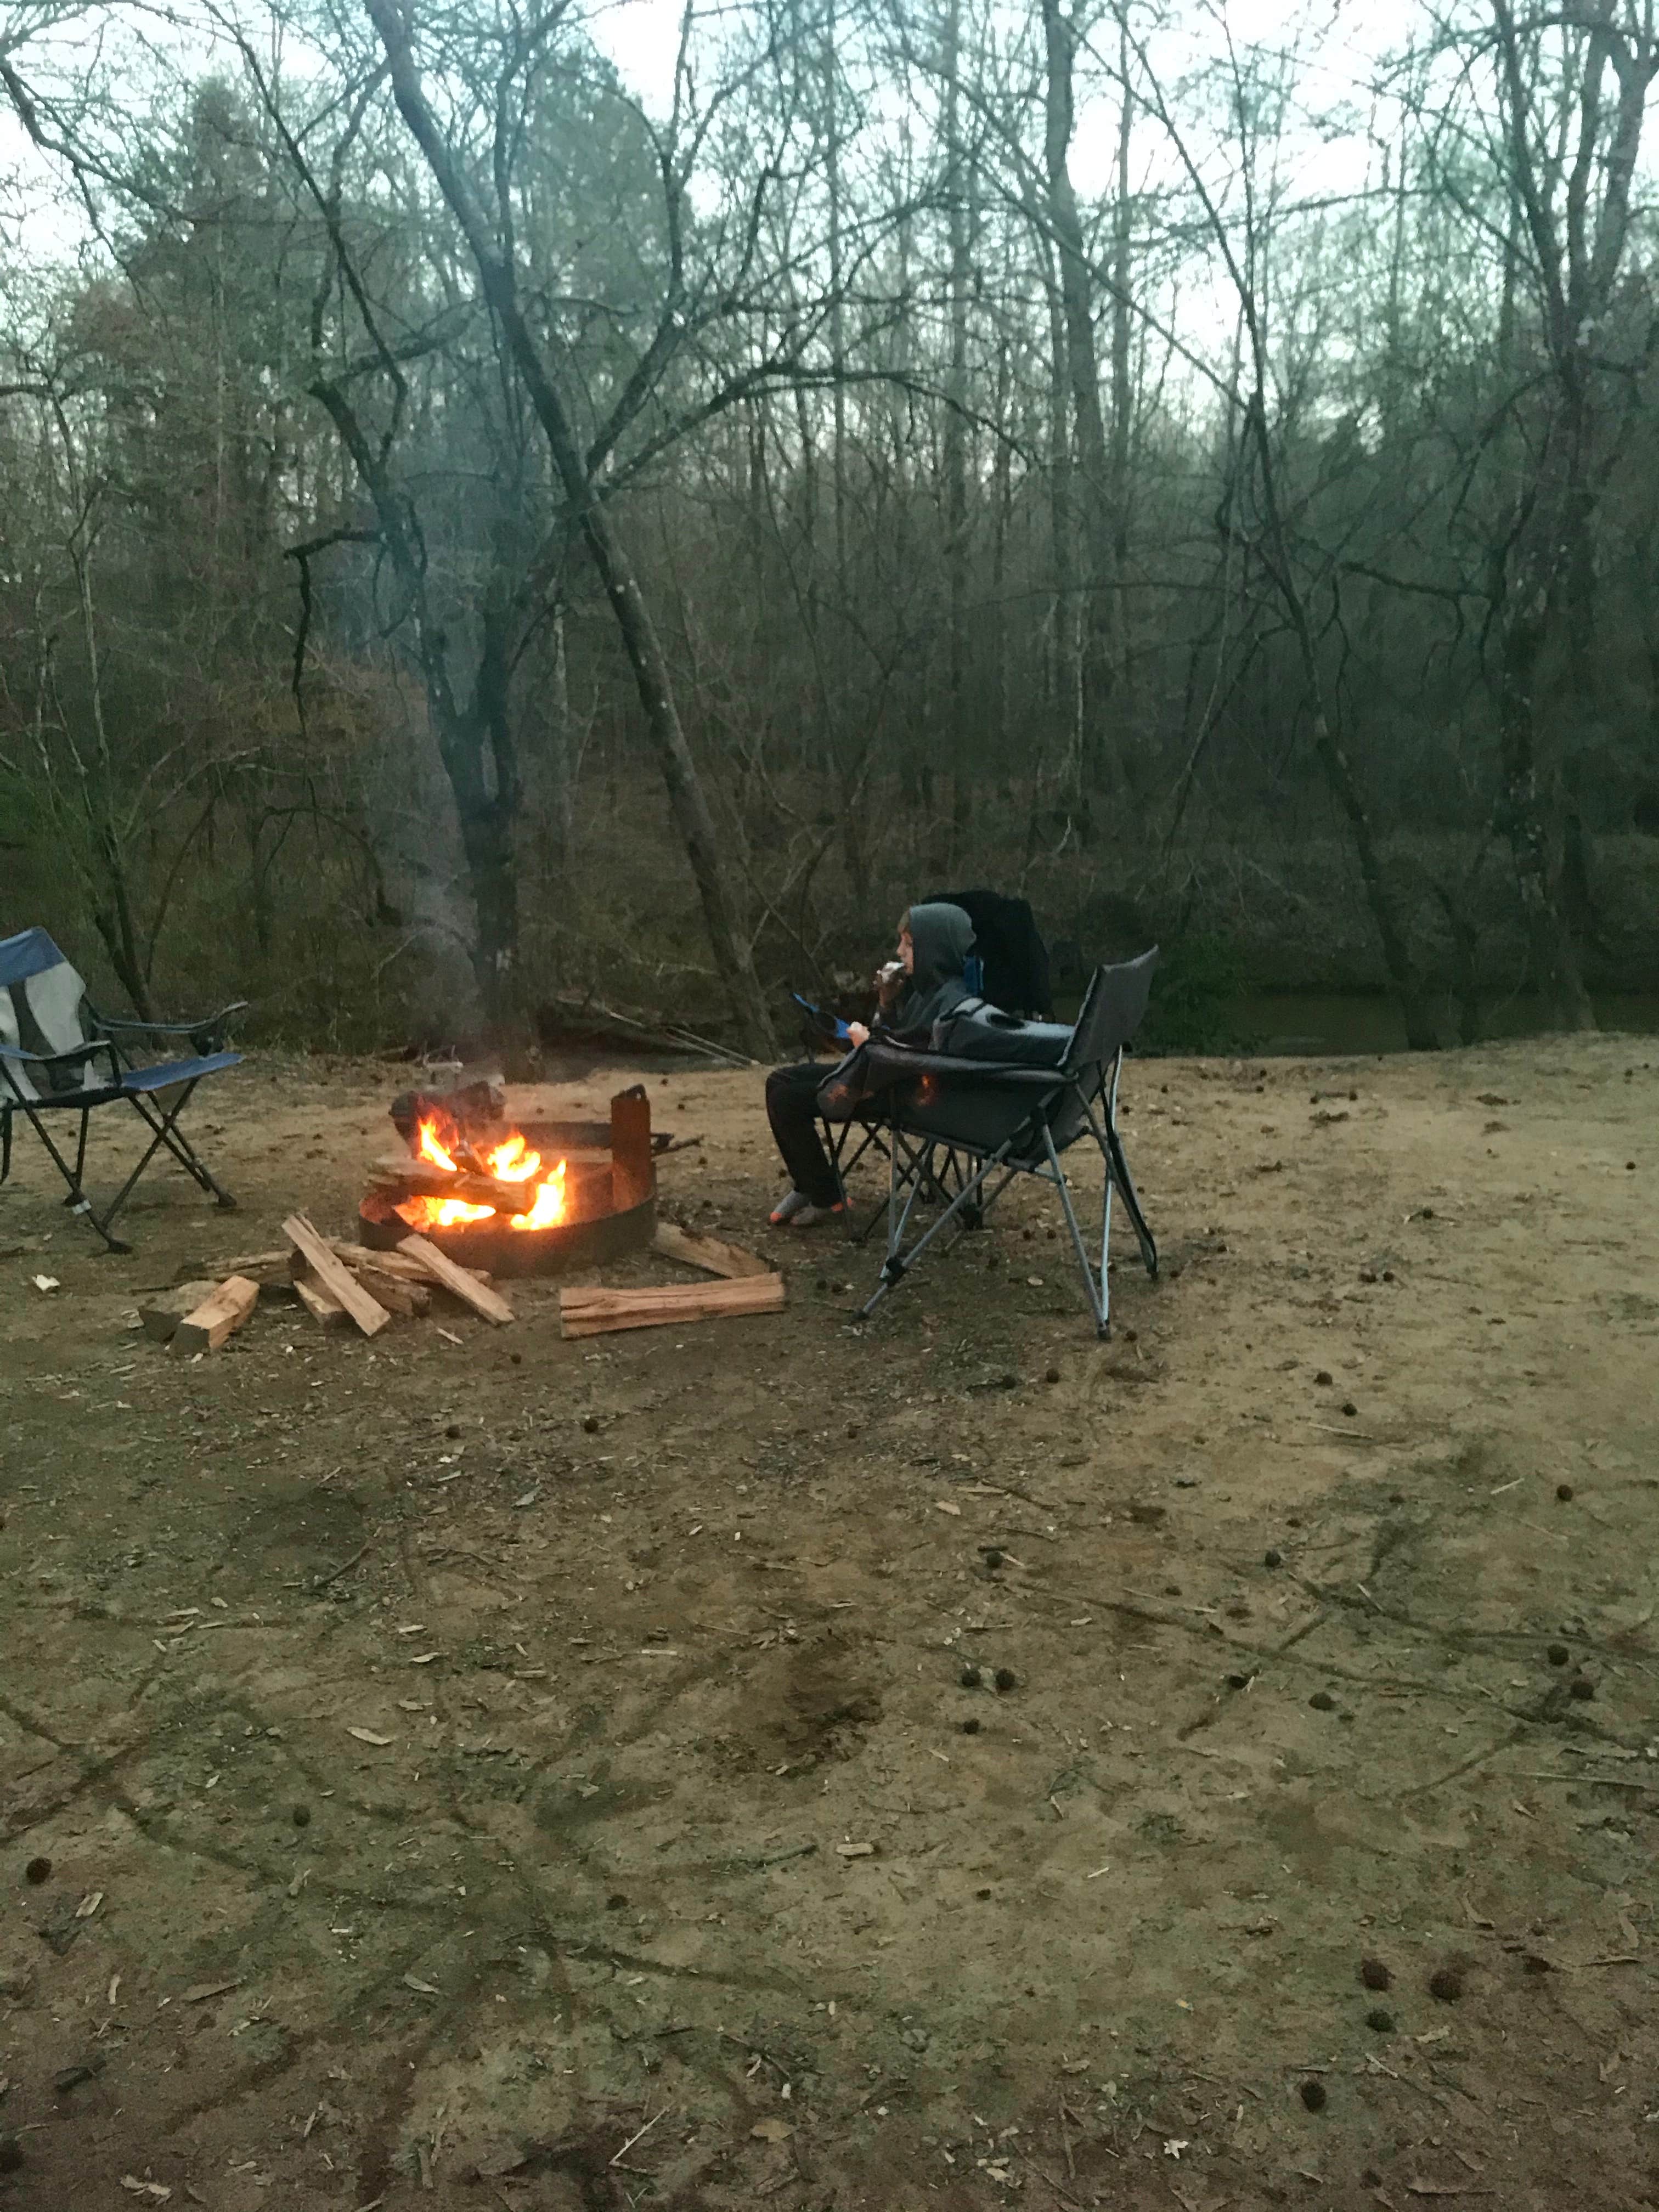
{"x": 512, "y": 1160}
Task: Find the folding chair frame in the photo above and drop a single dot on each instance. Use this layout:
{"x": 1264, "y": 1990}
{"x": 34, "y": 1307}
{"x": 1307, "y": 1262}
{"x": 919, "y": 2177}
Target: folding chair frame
{"x": 160, "y": 1121}
{"x": 913, "y": 1168}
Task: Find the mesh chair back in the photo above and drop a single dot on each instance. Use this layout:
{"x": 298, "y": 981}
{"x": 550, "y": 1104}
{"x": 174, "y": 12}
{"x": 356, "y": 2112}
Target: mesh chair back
{"x": 41, "y": 1003}
{"x": 1110, "y": 1014}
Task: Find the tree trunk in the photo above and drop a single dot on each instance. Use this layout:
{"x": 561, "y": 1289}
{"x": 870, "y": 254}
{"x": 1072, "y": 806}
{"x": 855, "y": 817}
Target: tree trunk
{"x": 1093, "y": 466}
{"x": 1123, "y": 397}
{"x": 956, "y": 446}
{"x": 561, "y": 759}
{"x": 1527, "y": 807}
{"x": 1066, "y": 664}
{"x": 688, "y": 803}
{"x": 1328, "y": 743}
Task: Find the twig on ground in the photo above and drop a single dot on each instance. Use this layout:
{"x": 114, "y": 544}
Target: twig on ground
{"x": 644, "y": 2130}
{"x": 322, "y": 1582}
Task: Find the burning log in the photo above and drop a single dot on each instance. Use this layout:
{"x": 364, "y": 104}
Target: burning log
{"x": 594, "y": 1312}
{"x": 480, "y": 1105}
{"x": 448, "y": 1180}
{"x": 410, "y": 1178}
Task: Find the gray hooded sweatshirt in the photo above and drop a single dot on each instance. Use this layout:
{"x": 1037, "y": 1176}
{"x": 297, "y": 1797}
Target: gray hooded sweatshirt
{"x": 943, "y": 937}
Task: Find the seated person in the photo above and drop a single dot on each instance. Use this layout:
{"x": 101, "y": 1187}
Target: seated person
{"x": 917, "y": 990}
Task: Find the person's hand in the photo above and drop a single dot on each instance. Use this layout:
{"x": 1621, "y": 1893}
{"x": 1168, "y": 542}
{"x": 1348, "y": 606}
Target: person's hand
{"x": 857, "y": 1034}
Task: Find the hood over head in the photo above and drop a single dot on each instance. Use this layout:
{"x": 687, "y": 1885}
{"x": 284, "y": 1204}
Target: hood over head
{"x": 943, "y": 937}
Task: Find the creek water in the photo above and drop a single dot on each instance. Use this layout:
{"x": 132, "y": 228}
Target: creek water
{"x": 1281, "y": 1022}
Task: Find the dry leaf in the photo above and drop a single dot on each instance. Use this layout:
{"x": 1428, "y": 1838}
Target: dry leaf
{"x": 45, "y": 1282}
{"x": 426, "y": 1989}
{"x": 89, "y": 1905}
{"x": 944, "y": 1505}
{"x": 367, "y": 1736}
{"x": 202, "y": 1990}
{"x": 772, "y": 2130}
{"x": 425, "y": 1658}
{"x": 152, "y": 2189}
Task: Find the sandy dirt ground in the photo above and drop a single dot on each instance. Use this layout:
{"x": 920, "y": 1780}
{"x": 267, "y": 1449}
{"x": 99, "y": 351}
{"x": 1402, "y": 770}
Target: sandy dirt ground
{"x": 1306, "y": 1860}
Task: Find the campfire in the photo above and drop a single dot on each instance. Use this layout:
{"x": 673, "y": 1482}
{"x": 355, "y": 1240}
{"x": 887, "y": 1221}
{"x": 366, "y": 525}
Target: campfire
{"x": 440, "y": 1141}
{"x": 514, "y": 1195}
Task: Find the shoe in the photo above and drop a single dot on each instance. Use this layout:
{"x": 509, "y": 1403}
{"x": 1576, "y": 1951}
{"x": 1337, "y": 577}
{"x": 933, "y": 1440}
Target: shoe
{"x": 813, "y": 1216}
{"x": 794, "y": 1202}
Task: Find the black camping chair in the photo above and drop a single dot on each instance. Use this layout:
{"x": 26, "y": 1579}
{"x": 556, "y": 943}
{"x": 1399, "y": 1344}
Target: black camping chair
{"x": 58, "y": 1055}
{"x": 1009, "y": 968}
{"x": 960, "y": 1126}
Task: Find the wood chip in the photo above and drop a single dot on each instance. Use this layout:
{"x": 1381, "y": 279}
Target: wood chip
{"x": 772, "y": 2130}
{"x": 367, "y": 1736}
{"x": 426, "y": 1989}
{"x": 204, "y": 1991}
{"x": 155, "y": 2190}
{"x": 856, "y": 1850}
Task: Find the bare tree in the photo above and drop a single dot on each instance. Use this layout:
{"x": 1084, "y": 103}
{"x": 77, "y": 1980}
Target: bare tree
{"x": 491, "y": 240}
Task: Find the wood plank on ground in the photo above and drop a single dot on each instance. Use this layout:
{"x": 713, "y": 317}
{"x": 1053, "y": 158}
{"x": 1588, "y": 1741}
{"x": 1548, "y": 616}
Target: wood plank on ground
{"x": 593, "y": 1312}
{"x": 488, "y": 1305}
{"x": 205, "y": 1327}
{"x": 265, "y": 1267}
{"x": 327, "y": 1312}
{"x": 335, "y": 1278}
{"x": 710, "y": 1252}
{"x": 161, "y": 1311}
{"x": 364, "y": 1259}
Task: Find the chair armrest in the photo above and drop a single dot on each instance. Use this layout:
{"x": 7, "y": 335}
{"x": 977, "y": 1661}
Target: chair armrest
{"x": 81, "y": 1053}
{"x": 971, "y": 1071}
{"x": 206, "y": 1034}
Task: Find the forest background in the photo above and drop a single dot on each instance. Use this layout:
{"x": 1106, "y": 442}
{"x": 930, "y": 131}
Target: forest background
{"x": 485, "y": 527}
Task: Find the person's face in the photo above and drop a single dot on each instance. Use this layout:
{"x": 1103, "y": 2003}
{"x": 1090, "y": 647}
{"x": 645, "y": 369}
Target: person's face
{"x": 907, "y": 951}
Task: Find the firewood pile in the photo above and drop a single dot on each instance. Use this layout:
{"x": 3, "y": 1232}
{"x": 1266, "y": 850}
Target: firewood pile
{"x": 340, "y": 1286}
{"x": 343, "y": 1285}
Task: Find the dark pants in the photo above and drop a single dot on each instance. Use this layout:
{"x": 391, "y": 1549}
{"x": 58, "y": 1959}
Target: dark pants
{"x": 792, "y": 1108}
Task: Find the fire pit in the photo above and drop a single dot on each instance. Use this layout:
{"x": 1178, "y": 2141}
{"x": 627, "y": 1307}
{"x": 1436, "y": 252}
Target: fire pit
{"x": 528, "y": 1197}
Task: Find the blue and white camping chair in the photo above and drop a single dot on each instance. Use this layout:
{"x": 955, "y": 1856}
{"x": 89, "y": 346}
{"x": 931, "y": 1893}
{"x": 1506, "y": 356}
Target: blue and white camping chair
{"x": 57, "y": 1055}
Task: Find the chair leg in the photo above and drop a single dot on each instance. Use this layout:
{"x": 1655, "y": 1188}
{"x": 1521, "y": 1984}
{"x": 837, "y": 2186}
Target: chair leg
{"x": 166, "y": 1133}
{"x": 1099, "y": 1293}
{"x": 1119, "y": 1169}
{"x": 77, "y": 1201}
{"x": 917, "y": 1169}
